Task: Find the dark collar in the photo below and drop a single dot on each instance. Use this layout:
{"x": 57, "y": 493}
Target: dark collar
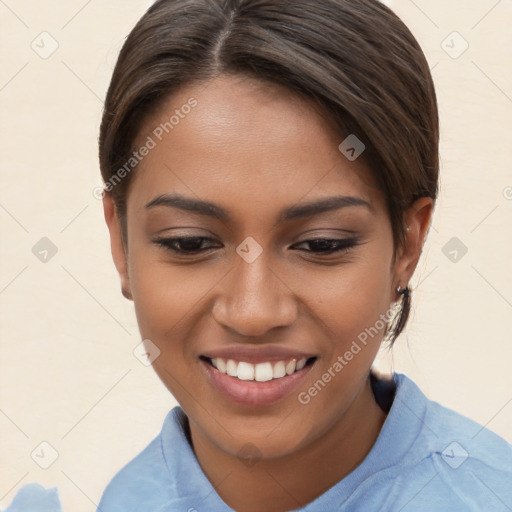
{"x": 384, "y": 388}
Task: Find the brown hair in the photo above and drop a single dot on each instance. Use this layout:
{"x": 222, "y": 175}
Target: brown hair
{"x": 355, "y": 58}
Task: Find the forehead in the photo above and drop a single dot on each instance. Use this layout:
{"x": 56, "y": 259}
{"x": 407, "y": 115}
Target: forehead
{"x": 245, "y": 142}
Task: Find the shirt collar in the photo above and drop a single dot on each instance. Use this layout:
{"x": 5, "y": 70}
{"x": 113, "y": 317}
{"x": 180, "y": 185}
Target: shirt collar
{"x": 192, "y": 488}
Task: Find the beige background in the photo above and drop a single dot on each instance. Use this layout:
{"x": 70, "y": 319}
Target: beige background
{"x": 68, "y": 375}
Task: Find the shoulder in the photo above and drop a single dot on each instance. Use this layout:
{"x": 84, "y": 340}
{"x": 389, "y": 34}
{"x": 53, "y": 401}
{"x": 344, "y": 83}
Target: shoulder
{"x": 455, "y": 436}
{"x": 467, "y": 463}
{"x": 136, "y": 482}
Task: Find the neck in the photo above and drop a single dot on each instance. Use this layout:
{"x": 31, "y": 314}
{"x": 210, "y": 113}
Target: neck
{"x": 270, "y": 485}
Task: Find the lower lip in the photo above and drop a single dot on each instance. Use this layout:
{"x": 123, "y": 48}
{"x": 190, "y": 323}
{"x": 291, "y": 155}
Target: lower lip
{"x": 250, "y": 392}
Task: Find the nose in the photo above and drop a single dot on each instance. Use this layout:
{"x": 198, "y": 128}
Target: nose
{"x": 254, "y": 299}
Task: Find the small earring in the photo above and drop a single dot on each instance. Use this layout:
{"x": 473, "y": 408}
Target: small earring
{"x": 408, "y": 228}
{"x": 401, "y": 290}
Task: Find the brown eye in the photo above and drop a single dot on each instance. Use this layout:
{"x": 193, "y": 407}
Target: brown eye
{"x": 325, "y": 246}
{"x": 184, "y": 245}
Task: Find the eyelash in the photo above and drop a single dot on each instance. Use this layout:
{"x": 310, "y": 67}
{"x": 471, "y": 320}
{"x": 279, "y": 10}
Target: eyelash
{"x": 341, "y": 244}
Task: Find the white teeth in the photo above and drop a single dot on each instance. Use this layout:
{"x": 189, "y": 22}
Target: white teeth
{"x": 231, "y": 368}
{"x": 260, "y": 372}
{"x": 263, "y": 372}
{"x": 301, "y": 364}
{"x": 290, "y": 367}
{"x": 245, "y": 371}
{"x": 279, "y": 370}
{"x": 221, "y": 365}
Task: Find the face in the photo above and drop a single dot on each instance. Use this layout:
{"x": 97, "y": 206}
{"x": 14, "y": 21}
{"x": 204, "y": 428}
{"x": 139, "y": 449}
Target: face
{"x": 255, "y": 277}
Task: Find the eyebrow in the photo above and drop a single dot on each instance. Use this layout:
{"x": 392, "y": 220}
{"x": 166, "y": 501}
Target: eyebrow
{"x": 302, "y": 210}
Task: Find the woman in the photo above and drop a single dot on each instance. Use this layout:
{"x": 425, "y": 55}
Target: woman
{"x": 271, "y": 170}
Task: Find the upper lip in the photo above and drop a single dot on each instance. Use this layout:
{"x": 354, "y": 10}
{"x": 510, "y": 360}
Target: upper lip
{"x": 256, "y": 354}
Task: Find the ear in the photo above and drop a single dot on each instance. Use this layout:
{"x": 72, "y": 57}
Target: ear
{"x": 418, "y": 218}
{"x": 116, "y": 243}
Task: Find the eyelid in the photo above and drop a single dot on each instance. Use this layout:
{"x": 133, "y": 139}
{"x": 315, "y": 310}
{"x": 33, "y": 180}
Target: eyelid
{"x": 330, "y": 238}
{"x": 341, "y": 245}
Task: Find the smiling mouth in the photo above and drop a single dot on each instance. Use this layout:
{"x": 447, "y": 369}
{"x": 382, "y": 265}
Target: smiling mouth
{"x": 260, "y": 372}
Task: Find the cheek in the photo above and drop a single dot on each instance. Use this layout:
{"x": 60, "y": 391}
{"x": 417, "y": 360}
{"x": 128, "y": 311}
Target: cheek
{"x": 353, "y": 304}
{"x": 167, "y": 301}
{"x": 166, "y": 297}
{"x": 364, "y": 298}
{"x": 355, "y": 311}
{"x": 350, "y": 297}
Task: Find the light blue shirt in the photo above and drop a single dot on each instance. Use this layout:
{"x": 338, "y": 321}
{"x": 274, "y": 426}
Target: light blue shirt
{"x": 427, "y": 458}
